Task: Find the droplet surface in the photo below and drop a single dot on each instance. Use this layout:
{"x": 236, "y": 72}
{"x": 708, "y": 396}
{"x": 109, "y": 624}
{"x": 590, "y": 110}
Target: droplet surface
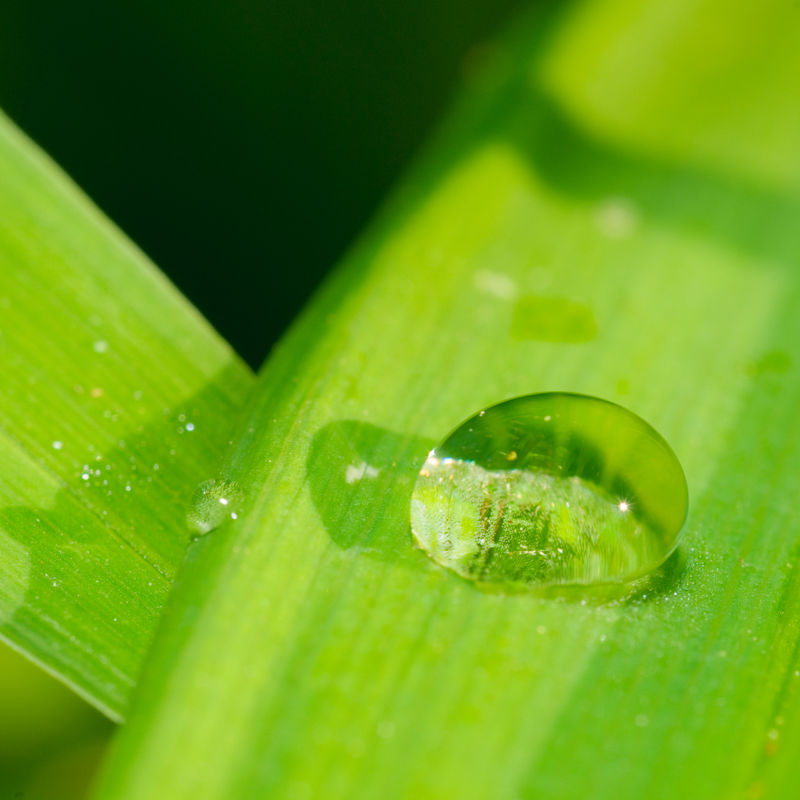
{"x": 214, "y": 502}
{"x": 550, "y": 489}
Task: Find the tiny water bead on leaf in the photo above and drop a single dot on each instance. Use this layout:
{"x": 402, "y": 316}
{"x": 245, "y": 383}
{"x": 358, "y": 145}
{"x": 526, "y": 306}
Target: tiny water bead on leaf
{"x": 550, "y": 489}
{"x": 213, "y": 503}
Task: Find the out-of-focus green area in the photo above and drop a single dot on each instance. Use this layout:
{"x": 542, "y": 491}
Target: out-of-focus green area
{"x": 50, "y": 740}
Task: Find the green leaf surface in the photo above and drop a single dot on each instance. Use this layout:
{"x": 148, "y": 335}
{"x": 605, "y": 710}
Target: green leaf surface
{"x": 115, "y": 401}
{"x": 633, "y": 166}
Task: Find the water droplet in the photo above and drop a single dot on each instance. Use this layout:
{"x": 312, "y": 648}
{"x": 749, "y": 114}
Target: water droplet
{"x": 214, "y": 503}
{"x": 592, "y": 495}
{"x": 57, "y": 445}
{"x": 100, "y": 346}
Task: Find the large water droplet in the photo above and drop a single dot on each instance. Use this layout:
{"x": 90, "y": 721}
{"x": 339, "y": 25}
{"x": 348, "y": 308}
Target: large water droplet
{"x": 550, "y": 489}
{"x": 214, "y": 502}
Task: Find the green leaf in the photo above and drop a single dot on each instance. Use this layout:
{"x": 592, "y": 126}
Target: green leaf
{"x": 637, "y": 165}
{"x": 114, "y": 403}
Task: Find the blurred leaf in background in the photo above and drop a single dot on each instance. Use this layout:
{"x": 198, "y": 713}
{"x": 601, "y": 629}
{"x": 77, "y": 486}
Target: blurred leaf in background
{"x": 51, "y": 741}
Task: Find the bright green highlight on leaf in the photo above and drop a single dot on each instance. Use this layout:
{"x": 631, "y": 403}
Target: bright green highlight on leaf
{"x": 550, "y": 489}
{"x": 114, "y": 404}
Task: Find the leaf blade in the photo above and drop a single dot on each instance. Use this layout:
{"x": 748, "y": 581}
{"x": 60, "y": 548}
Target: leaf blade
{"x": 102, "y": 361}
{"x": 331, "y": 659}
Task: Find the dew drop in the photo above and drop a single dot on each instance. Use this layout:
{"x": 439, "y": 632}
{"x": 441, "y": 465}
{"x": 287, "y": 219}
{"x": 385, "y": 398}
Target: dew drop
{"x": 592, "y": 495}
{"x": 214, "y": 502}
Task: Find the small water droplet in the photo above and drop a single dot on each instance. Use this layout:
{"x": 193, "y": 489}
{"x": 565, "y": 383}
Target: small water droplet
{"x": 356, "y": 472}
{"x": 100, "y": 346}
{"x": 57, "y": 445}
{"x": 213, "y": 503}
{"x": 594, "y": 495}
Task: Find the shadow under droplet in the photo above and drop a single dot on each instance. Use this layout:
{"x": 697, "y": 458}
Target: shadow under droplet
{"x": 361, "y": 478}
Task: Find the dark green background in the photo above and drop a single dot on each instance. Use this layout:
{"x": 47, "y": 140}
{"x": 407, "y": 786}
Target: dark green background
{"x": 241, "y": 144}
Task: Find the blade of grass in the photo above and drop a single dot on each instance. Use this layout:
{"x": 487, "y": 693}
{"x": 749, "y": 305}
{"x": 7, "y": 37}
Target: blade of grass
{"x": 114, "y": 403}
{"x": 310, "y": 651}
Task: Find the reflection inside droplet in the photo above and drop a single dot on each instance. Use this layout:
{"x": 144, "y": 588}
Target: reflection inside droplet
{"x": 550, "y": 489}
